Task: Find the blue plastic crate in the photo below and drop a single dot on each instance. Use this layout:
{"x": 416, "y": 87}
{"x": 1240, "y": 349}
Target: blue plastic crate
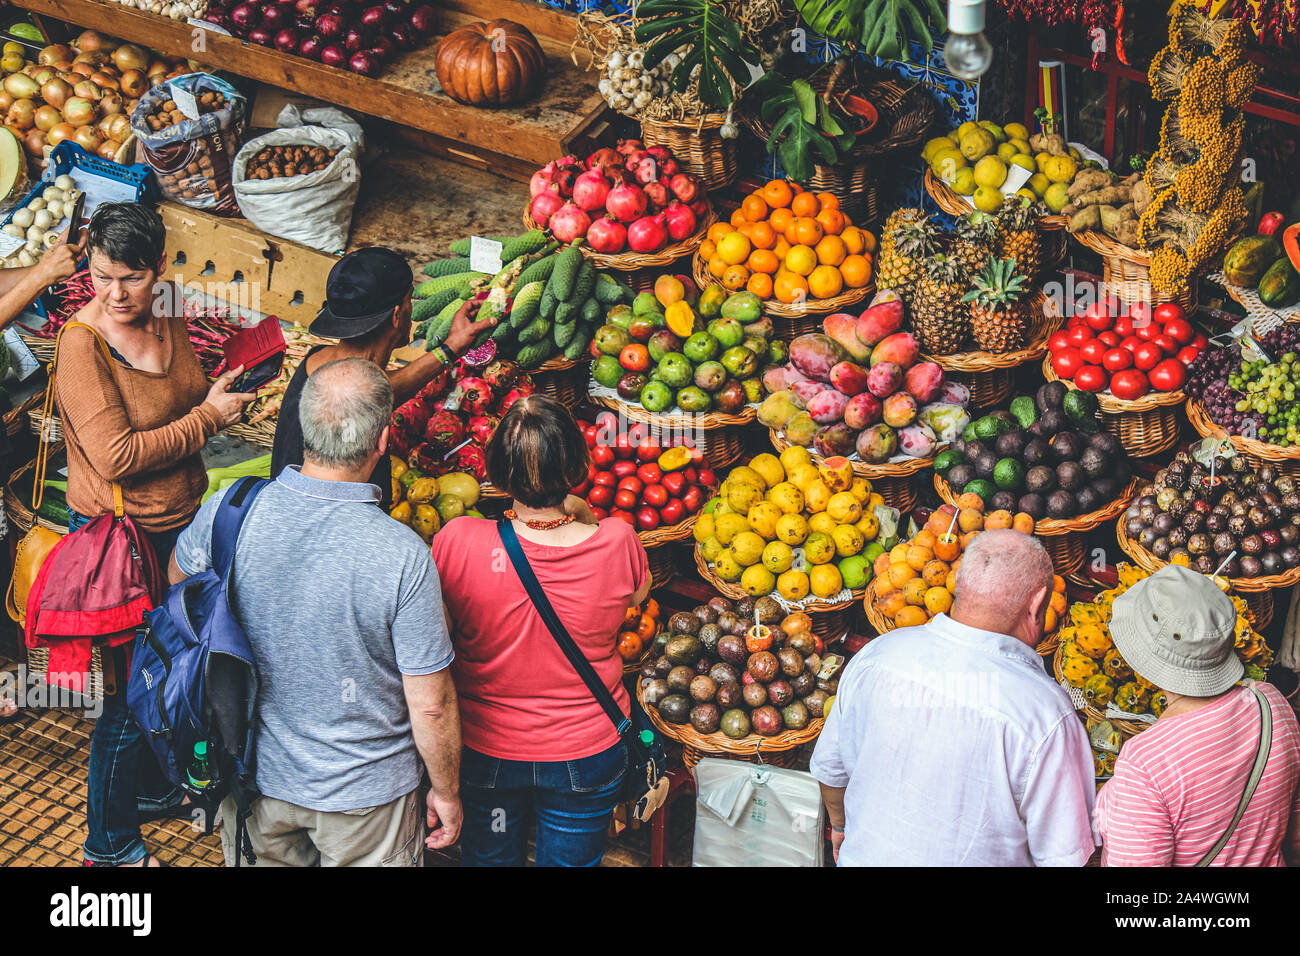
{"x": 102, "y": 180}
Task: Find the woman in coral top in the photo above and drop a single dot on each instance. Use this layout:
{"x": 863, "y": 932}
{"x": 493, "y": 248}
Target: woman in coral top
{"x": 1177, "y": 795}
{"x": 537, "y": 744}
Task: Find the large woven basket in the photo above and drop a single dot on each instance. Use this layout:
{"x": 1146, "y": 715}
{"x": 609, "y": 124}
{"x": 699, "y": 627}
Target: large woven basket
{"x": 892, "y": 480}
{"x": 16, "y": 419}
{"x": 1243, "y": 586}
{"x": 989, "y": 375}
{"x": 1126, "y": 727}
{"x": 698, "y": 146}
{"x": 18, "y": 493}
{"x": 905, "y": 111}
{"x": 662, "y": 560}
{"x": 1145, "y": 426}
{"x": 736, "y": 592}
{"x": 1127, "y": 272}
{"x": 563, "y": 379}
{"x": 754, "y": 746}
{"x": 1062, "y": 537}
{"x": 704, "y": 421}
{"x": 803, "y": 316}
{"x": 639, "y": 262}
{"x": 1052, "y": 228}
{"x": 1285, "y": 458}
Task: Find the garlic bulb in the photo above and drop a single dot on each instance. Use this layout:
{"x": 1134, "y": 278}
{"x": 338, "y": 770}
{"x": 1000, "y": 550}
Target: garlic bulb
{"x": 642, "y": 100}
{"x": 647, "y": 82}
{"x": 635, "y": 59}
{"x": 616, "y": 59}
{"x": 729, "y": 130}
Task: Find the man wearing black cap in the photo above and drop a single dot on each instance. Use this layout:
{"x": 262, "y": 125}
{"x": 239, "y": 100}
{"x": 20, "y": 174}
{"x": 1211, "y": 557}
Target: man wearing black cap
{"x": 368, "y": 308}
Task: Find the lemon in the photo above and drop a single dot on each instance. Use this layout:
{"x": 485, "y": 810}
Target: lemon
{"x": 769, "y": 469}
{"x": 1040, "y": 160}
{"x": 824, "y": 581}
{"x": 1024, "y": 162}
{"x": 994, "y": 129}
{"x": 757, "y": 581}
{"x": 826, "y": 707}
{"x": 792, "y": 585}
{"x": 726, "y": 566}
{"x": 703, "y": 528}
{"x": 977, "y": 143}
{"x": 963, "y": 184}
{"x": 933, "y": 146}
{"x": 747, "y": 474}
{"x": 1038, "y": 183}
{"x": 1060, "y": 169}
{"x": 848, "y": 540}
{"x": 1007, "y": 152}
{"x": 988, "y": 199}
{"x": 967, "y": 127}
{"x": 1057, "y": 196}
{"x": 763, "y": 517}
{"x": 822, "y": 522}
{"x": 1024, "y": 192}
{"x": 777, "y": 557}
{"x": 792, "y": 529}
{"x": 946, "y": 162}
{"x": 819, "y": 548}
{"x": 741, "y": 495}
{"x": 990, "y": 171}
{"x": 1016, "y": 131}
{"x": 794, "y": 456}
{"x": 710, "y": 548}
{"x": 816, "y": 496}
{"x": 844, "y": 507}
{"x": 1021, "y": 145}
{"x": 786, "y": 496}
{"x": 726, "y": 527}
{"x": 869, "y": 525}
{"x": 747, "y": 547}
{"x": 1074, "y": 154}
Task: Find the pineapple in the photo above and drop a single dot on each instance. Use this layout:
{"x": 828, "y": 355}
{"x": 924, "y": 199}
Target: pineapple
{"x": 1019, "y": 238}
{"x": 904, "y": 247}
{"x": 940, "y": 319}
{"x": 998, "y": 309}
{"x": 976, "y": 235}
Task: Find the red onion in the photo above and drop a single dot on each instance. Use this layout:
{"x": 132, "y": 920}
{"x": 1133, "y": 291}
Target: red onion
{"x": 311, "y": 47}
{"x": 394, "y": 8}
{"x": 365, "y": 62}
{"x": 374, "y": 17}
{"x": 305, "y": 8}
{"x": 330, "y": 25}
{"x": 286, "y": 41}
{"x": 277, "y": 15}
{"x": 333, "y": 55}
{"x": 245, "y": 15}
{"x": 402, "y": 35}
{"x": 607, "y": 235}
{"x": 354, "y": 41}
{"x": 383, "y": 48}
{"x": 425, "y": 19}
{"x": 648, "y": 234}
{"x": 336, "y": 7}
{"x": 626, "y": 202}
{"x": 261, "y": 36}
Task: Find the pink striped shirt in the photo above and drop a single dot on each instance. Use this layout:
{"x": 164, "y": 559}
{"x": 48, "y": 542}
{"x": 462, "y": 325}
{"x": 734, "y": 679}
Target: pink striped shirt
{"x": 1177, "y": 786}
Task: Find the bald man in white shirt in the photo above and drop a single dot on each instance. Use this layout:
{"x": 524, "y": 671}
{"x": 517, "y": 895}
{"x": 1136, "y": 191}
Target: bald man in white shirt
{"x": 949, "y": 744}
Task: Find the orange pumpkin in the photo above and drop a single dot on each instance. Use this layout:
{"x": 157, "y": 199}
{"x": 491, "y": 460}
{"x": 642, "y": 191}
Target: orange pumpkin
{"x": 490, "y": 64}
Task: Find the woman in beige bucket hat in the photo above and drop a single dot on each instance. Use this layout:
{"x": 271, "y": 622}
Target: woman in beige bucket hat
{"x": 1216, "y": 780}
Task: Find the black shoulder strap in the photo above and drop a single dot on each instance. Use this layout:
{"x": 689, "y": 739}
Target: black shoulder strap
{"x": 576, "y": 658}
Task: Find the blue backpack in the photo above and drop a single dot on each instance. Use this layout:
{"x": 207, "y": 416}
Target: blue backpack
{"x": 193, "y": 684}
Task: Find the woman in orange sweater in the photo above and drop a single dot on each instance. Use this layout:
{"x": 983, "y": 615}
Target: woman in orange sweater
{"x": 139, "y": 421}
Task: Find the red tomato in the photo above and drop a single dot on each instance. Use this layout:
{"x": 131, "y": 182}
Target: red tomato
{"x": 1097, "y": 317}
{"x": 1180, "y": 330}
{"x": 1078, "y": 335}
{"x": 622, "y": 514}
{"x": 647, "y": 519}
{"x": 582, "y": 489}
{"x": 631, "y": 483}
{"x": 1066, "y": 363}
{"x": 1140, "y": 313}
{"x": 648, "y": 450}
{"x": 1188, "y": 354}
{"x": 1147, "y": 356}
{"x": 1091, "y": 378}
{"x": 1058, "y": 341}
{"x": 1166, "y": 343}
{"x": 675, "y": 482}
{"x": 708, "y": 478}
{"x": 1123, "y": 326}
{"x": 607, "y": 478}
{"x": 691, "y": 474}
{"x": 600, "y": 496}
{"x": 1146, "y": 332}
{"x": 693, "y": 500}
{"x": 623, "y": 468}
{"x": 1116, "y": 360}
{"x": 637, "y": 432}
{"x": 1092, "y": 351}
{"x": 1200, "y": 342}
{"x": 1170, "y": 375}
{"x": 1130, "y": 342}
{"x": 1111, "y": 339}
{"x": 625, "y": 499}
{"x": 1074, "y": 320}
{"x": 1166, "y": 312}
{"x": 600, "y": 513}
{"x": 607, "y": 421}
{"x": 1129, "y": 384}
{"x": 590, "y": 433}
{"x": 602, "y": 456}
{"x": 623, "y": 447}
{"x": 650, "y": 473}
{"x": 656, "y": 495}
{"x": 673, "y": 512}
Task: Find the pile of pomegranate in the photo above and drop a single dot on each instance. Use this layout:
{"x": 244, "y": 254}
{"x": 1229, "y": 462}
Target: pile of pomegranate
{"x": 632, "y": 198}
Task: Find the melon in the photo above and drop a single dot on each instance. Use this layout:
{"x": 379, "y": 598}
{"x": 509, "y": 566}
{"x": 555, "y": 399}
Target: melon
{"x": 13, "y": 171}
{"x": 461, "y": 485}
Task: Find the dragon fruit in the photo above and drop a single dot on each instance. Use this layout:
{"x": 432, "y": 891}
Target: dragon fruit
{"x": 411, "y": 418}
{"x": 481, "y": 428}
{"x": 400, "y": 443}
{"x": 444, "y": 431}
{"x": 524, "y": 387}
{"x": 500, "y": 374}
{"x": 470, "y": 460}
{"x": 476, "y": 395}
{"x": 429, "y": 460}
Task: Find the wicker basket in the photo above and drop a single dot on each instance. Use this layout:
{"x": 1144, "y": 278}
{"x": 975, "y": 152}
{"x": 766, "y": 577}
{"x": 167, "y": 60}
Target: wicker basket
{"x": 736, "y": 592}
{"x": 905, "y": 111}
{"x": 46, "y": 429}
{"x": 38, "y": 662}
{"x": 1062, "y": 537}
{"x": 892, "y": 480}
{"x": 989, "y": 375}
{"x": 698, "y": 147}
{"x": 678, "y": 421}
{"x": 1146, "y": 426}
{"x": 1148, "y": 562}
{"x": 1052, "y": 228}
{"x": 1126, "y": 272}
{"x": 18, "y": 496}
{"x": 1126, "y": 727}
{"x": 755, "y": 746}
{"x": 637, "y": 262}
{"x": 1285, "y": 458}
{"x": 16, "y": 419}
{"x": 662, "y": 560}
{"x": 563, "y": 380}
{"x": 804, "y": 316}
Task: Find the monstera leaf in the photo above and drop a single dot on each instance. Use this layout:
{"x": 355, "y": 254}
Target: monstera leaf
{"x": 701, "y": 32}
{"x": 882, "y": 28}
{"x": 804, "y": 130}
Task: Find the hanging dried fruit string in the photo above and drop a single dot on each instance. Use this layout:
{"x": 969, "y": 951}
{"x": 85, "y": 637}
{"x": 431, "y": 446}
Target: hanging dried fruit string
{"x": 1275, "y": 22}
{"x": 1092, "y": 15}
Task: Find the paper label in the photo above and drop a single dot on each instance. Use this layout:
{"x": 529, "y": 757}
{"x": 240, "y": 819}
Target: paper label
{"x": 10, "y": 244}
{"x": 185, "y": 102}
{"x": 1017, "y": 176}
{"x": 24, "y": 362}
{"x": 484, "y": 255}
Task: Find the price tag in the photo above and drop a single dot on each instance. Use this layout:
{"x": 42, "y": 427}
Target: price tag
{"x": 185, "y": 102}
{"x": 10, "y": 244}
{"x": 25, "y": 362}
{"x": 1017, "y": 176}
{"x": 484, "y": 255}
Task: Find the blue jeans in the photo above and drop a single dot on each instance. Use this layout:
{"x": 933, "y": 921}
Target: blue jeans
{"x": 123, "y": 779}
{"x": 572, "y": 801}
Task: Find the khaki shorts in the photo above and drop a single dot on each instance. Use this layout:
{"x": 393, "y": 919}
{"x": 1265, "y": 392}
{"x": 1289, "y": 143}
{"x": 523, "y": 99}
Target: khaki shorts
{"x": 284, "y": 834}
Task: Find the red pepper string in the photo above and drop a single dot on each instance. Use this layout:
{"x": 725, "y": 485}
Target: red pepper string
{"x": 1119, "y": 34}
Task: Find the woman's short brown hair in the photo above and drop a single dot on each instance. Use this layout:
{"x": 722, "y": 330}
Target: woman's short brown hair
{"x": 538, "y": 453}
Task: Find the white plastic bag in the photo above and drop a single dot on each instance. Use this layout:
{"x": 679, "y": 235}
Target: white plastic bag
{"x": 316, "y": 209}
{"x": 750, "y": 814}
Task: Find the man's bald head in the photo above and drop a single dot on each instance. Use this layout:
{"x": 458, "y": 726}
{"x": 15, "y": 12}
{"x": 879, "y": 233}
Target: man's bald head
{"x": 1003, "y": 582}
{"x": 344, "y": 409}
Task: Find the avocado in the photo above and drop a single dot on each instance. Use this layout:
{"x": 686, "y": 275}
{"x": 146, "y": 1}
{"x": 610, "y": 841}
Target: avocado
{"x": 1012, "y": 444}
{"x": 1060, "y": 504}
{"x": 1052, "y": 422}
{"x": 1003, "y": 501}
{"x": 1067, "y": 446}
{"x": 1009, "y": 474}
{"x": 1050, "y": 395}
{"x": 1036, "y": 452}
{"x": 982, "y": 488}
{"x": 1040, "y": 479}
{"x": 987, "y": 427}
{"x": 1081, "y": 409}
{"x": 946, "y": 459}
{"x": 1070, "y": 475}
{"x": 675, "y": 708}
{"x": 959, "y": 476}
{"x": 1088, "y": 500}
{"x": 985, "y": 464}
{"x": 1095, "y": 462}
{"x": 1033, "y": 505}
{"x": 1026, "y": 412}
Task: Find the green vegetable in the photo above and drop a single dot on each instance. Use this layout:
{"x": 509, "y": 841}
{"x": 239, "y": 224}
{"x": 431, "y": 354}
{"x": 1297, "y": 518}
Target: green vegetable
{"x": 546, "y": 308}
{"x": 461, "y": 246}
{"x": 1025, "y": 410}
{"x": 535, "y": 331}
{"x": 578, "y": 345}
{"x": 440, "y": 325}
{"x": 585, "y": 283}
{"x": 524, "y": 308}
{"x": 591, "y": 311}
{"x": 607, "y": 290}
{"x": 427, "y": 288}
{"x": 423, "y": 309}
{"x": 446, "y": 267}
{"x": 530, "y": 241}
{"x": 564, "y": 334}
{"x": 541, "y": 269}
{"x": 531, "y": 356}
{"x": 1081, "y": 409}
{"x": 566, "y": 313}
{"x": 565, "y": 275}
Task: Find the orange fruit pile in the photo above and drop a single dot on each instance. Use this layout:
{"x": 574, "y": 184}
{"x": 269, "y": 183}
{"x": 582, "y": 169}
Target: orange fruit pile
{"x": 786, "y": 243}
{"x": 640, "y": 627}
{"x": 917, "y": 579}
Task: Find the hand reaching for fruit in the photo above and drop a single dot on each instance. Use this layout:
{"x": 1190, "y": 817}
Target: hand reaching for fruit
{"x": 465, "y": 326}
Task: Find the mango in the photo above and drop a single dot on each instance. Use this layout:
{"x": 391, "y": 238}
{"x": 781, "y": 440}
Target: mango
{"x": 805, "y": 391}
{"x": 710, "y": 302}
{"x": 884, "y": 379}
{"x": 924, "y": 381}
{"x": 448, "y": 506}
{"x": 916, "y": 441}
{"x": 849, "y": 378}
{"x": 801, "y": 430}
{"x": 878, "y": 323}
{"x": 899, "y": 410}
{"x": 774, "y": 379}
{"x": 827, "y": 406}
{"x": 837, "y": 472}
{"x": 645, "y": 303}
{"x": 742, "y": 306}
{"x": 814, "y": 354}
{"x": 862, "y": 411}
{"x": 834, "y": 440}
{"x": 777, "y": 409}
{"x": 842, "y": 327}
{"x": 877, "y": 444}
{"x": 900, "y": 348}
{"x": 669, "y": 289}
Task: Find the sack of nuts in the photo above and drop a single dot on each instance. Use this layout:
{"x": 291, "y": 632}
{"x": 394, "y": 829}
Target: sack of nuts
{"x": 300, "y": 182}
{"x": 189, "y": 130}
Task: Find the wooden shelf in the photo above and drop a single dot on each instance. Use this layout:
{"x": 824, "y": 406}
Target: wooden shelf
{"x": 567, "y": 116}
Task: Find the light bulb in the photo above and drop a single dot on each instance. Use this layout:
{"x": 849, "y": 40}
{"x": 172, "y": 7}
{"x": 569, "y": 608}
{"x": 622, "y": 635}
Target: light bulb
{"x": 967, "y": 52}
